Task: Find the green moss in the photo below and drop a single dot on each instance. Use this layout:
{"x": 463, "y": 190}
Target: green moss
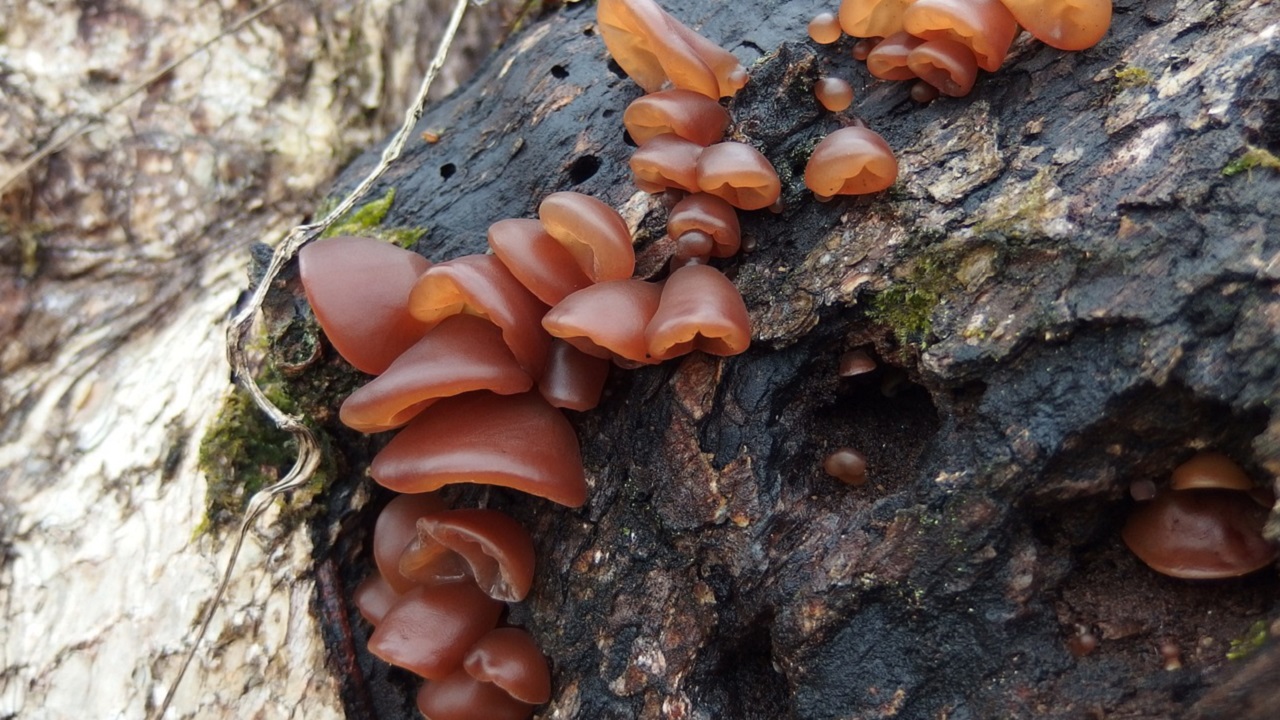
{"x": 1133, "y": 77}
{"x": 1253, "y": 639}
{"x": 367, "y": 220}
{"x": 1253, "y": 157}
{"x": 908, "y": 310}
{"x": 1019, "y": 214}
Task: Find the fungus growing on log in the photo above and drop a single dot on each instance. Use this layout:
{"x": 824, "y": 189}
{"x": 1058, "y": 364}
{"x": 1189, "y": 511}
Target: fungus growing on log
{"x": 985, "y": 26}
{"x": 824, "y": 28}
{"x": 459, "y": 696}
{"x": 946, "y": 65}
{"x": 594, "y": 234}
{"x": 1063, "y": 24}
{"x": 702, "y": 310}
{"x": 686, "y": 114}
{"x": 872, "y": 18}
{"x": 374, "y": 597}
{"x": 653, "y": 48}
{"x": 457, "y": 613}
{"x": 540, "y": 262}
{"x": 509, "y": 658}
{"x": 666, "y": 161}
{"x": 608, "y": 319}
{"x": 573, "y": 379}
{"x": 1210, "y": 470}
{"x": 850, "y": 161}
{"x": 394, "y": 529}
{"x": 709, "y": 216}
{"x": 486, "y": 546}
{"x": 356, "y": 287}
{"x": 888, "y": 59}
{"x": 738, "y": 174}
{"x": 515, "y": 441}
{"x": 846, "y": 465}
{"x": 856, "y": 362}
{"x": 834, "y": 94}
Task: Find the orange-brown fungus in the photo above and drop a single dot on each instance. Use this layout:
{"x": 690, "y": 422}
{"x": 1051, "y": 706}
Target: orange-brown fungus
{"x": 700, "y": 310}
{"x": 946, "y": 65}
{"x": 1064, "y": 24}
{"x": 607, "y": 319}
{"x": 515, "y": 441}
{"x": 430, "y": 629}
{"x": 1210, "y": 470}
{"x": 850, "y": 161}
{"x": 395, "y": 528}
{"x": 888, "y": 59}
{"x": 690, "y": 115}
{"x": 509, "y": 658}
{"x": 487, "y": 545}
{"x": 923, "y": 93}
{"x": 872, "y": 18}
{"x": 985, "y": 26}
{"x": 573, "y": 380}
{"x": 824, "y": 28}
{"x": 653, "y": 47}
{"x": 666, "y": 161}
{"x": 594, "y": 234}
{"x": 1200, "y": 534}
{"x": 374, "y": 597}
{"x": 461, "y": 697}
{"x": 712, "y": 217}
{"x": 846, "y": 465}
{"x": 856, "y": 362}
{"x": 357, "y": 288}
{"x": 462, "y": 354}
{"x": 834, "y": 94}
{"x": 738, "y": 174}
{"x": 481, "y": 285}
{"x": 536, "y": 259}
{"x": 863, "y": 48}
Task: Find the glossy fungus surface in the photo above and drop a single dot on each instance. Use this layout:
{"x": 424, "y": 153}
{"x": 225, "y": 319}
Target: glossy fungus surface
{"x": 834, "y": 94}
{"x": 683, "y": 113}
{"x": 654, "y": 48}
{"x": 1200, "y": 534}
{"x": 594, "y": 234}
{"x": 738, "y": 174}
{"x": 540, "y": 262}
{"x": 888, "y": 59}
{"x": 429, "y": 630}
{"x": 573, "y": 380}
{"x": 665, "y": 162}
{"x": 395, "y": 528}
{"x": 702, "y": 310}
{"x": 872, "y": 18}
{"x": 985, "y": 26}
{"x": 495, "y": 550}
{"x": 1210, "y": 470}
{"x": 824, "y": 28}
{"x": 846, "y": 465}
{"x": 850, "y": 161}
{"x": 1063, "y": 24}
{"x": 461, "y": 697}
{"x": 357, "y": 289}
{"x": 713, "y": 217}
{"x": 607, "y": 320}
{"x": 510, "y": 659}
{"x": 947, "y": 65}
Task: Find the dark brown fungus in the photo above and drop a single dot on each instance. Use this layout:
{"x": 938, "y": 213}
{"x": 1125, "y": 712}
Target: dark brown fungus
{"x": 1063, "y": 24}
{"x": 856, "y": 362}
{"x": 985, "y": 26}
{"x": 888, "y": 59}
{"x": 834, "y": 94}
{"x": 374, "y": 597}
{"x": 1210, "y": 470}
{"x": 463, "y": 353}
{"x": 573, "y": 380}
{"x": 481, "y": 285}
{"x": 923, "y": 93}
{"x": 686, "y": 114}
{"x": 461, "y": 697}
{"x": 846, "y": 465}
{"x": 607, "y": 320}
{"x": 1142, "y": 490}
{"x": 396, "y": 526}
{"x": 509, "y": 658}
{"x": 711, "y": 216}
{"x": 430, "y": 629}
{"x": 666, "y": 161}
{"x": 862, "y": 49}
{"x": 824, "y": 28}
{"x": 654, "y": 48}
{"x": 850, "y": 161}
{"x": 357, "y": 288}
{"x": 515, "y": 441}
{"x": 946, "y": 65}
{"x": 1200, "y": 534}
{"x": 872, "y": 18}
{"x": 700, "y": 309}
{"x": 487, "y": 545}
{"x": 540, "y": 262}
{"x": 738, "y": 174}
{"x": 594, "y": 234}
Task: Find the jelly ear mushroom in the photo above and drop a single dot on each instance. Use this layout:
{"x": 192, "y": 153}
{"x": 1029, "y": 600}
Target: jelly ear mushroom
{"x": 653, "y": 47}
{"x": 461, "y": 697}
{"x": 573, "y": 380}
{"x": 738, "y": 174}
{"x": 1063, "y": 24}
{"x": 429, "y": 630}
{"x": 1210, "y": 470}
{"x": 700, "y": 310}
{"x": 850, "y": 161}
{"x": 946, "y": 65}
{"x": 872, "y": 18}
{"x": 357, "y": 289}
{"x": 985, "y": 26}
{"x": 540, "y": 262}
{"x": 684, "y": 113}
{"x": 494, "y": 549}
{"x": 711, "y": 216}
{"x": 594, "y": 234}
{"x": 846, "y": 465}
{"x": 888, "y": 59}
{"x": 509, "y": 658}
{"x": 395, "y": 528}
{"x": 1200, "y": 534}
{"x": 666, "y": 161}
{"x": 608, "y": 319}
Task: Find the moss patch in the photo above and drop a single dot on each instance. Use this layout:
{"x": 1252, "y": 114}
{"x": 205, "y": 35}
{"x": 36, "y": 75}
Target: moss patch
{"x": 1254, "y": 638}
{"x": 1133, "y": 77}
{"x": 367, "y": 220}
{"x": 1253, "y": 157}
{"x": 907, "y": 306}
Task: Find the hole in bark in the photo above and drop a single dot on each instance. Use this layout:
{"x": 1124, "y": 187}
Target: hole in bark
{"x": 447, "y": 170}
{"x": 558, "y": 71}
{"x": 736, "y": 677}
{"x": 608, "y": 113}
{"x": 616, "y": 69}
{"x": 583, "y": 169}
{"x": 626, "y": 138}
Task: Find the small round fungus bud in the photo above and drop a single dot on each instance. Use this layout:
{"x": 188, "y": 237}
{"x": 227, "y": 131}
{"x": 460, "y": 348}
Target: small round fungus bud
{"x": 850, "y": 161}
{"x": 846, "y": 465}
{"x": 824, "y": 29}
{"x": 863, "y": 48}
{"x": 856, "y": 362}
{"x": 924, "y": 93}
{"x": 888, "y": 59}
{"x": 834, "y": 94}
{"x": 1142, "y": 490}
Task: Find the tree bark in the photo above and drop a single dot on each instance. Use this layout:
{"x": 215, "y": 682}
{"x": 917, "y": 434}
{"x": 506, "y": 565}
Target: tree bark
{"x": 1065, "y": 293}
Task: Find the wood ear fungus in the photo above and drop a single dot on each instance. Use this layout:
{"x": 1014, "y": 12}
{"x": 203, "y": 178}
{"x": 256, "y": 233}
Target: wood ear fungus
{"x": 713, "y": 219}
{"x": 458, "y": 614}
{"x": 540, "y": 262}
{"x": 1209, "y": 470}
{"x": 850, "y": 161}
{"x": 824, "y": 28}
{"x": 947, "y": 65}
{"x": 510, "y": 659}
{"x": 686, "y": 114}
{"x": 357, "y": 288}
{"x": 573, "y": 380}
{"x": 594, "y": 234}
{"x": 653, "y": 47}
{"x": 846, "y": 465}
{"x": 888, "y": 59}
{"x": 738, "y": 174}
{"x": 489, "y": 546}
{"x": 607, "y": 320}
{"x": 985, "y": 26}
{"x": 834, "y": 94}
{"x": 395, "y": 528}
{"x": 872, "y": 18}
{"x": 666, "y": 161}
{"x": 1063, "y": 24}
{"x": 700, "y": 309}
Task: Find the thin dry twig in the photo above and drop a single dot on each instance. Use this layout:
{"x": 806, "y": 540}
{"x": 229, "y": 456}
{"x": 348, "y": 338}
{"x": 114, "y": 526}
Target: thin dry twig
{"x": 240, "y": 329}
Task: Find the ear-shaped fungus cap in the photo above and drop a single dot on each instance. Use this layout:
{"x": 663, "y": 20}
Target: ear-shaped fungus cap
{"x": 374, "y": 597}
{"x": 515, "y": 441}
{"x": 654, "y": 47}
{"x": 872, "y": 18}
{"x": 690, "y": 115}
{"x": 1064, "y": 24}
{"x": 594, "y": 234}
{"x": 667, "y": 161}
{"x": 738, "y": 174}
{"x": 607, "y": 319}
{"x": 462, "y": 354}
{"x": 1210, "y": 470}
{"x": 1200, "y": 534}
{"x": 946, "y": 65}
{"x": 357, "y": 288}
{"x": 509, "y": 658}
{"x": 461, "y": 697}
{"x": 489, "y": 546}
{"x": 544, "y": 266}
{"x": 482, "y": 285}
{"x": 573, "y": 380}
{"x": 396, "y": 527}
{"x": 430, "y": 629}
{"x": 700, "y": 310}
{"x": 985, "y": 26}
{"x": 850, "y": 161}
{"x": 710, "y": 215}
{"x": 888, "y": 59}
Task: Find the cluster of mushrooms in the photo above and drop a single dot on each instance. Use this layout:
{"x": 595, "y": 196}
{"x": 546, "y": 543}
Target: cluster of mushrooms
{"x": 942, "y": 44}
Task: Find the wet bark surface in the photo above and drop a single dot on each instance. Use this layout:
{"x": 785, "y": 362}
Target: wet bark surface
{"x": 1065, "y": 294}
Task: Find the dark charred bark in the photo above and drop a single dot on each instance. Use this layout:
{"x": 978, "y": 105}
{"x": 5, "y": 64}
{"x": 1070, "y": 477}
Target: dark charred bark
{"x": 1065, "y": 292}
